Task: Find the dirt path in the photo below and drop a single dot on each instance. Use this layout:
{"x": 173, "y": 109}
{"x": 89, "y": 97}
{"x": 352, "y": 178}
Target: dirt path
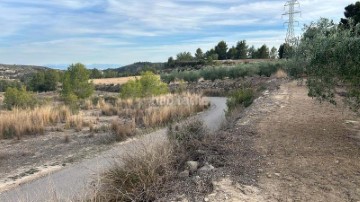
{"x": 311, "y": 151}
{"x": 297, "y": 150}
{"x": 73, "y": 181}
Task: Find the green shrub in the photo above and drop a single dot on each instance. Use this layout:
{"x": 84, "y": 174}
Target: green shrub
{"x": 72, "y": 101}
{"x": 243, "y": 97}
{"x": 213, "y": 73}
{"x": 267, "y": 69}
{"x": 4, "y": 84}
{"x": 148, "y": 85}
{"x": 167, "y": 78}
{"x": 19, "y": 98}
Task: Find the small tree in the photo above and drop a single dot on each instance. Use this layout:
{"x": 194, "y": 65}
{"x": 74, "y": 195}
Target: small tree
{"x": 199, "y": 54}
{"x": 148, "y": 85}
{"x": 95, "y": 74}
{"x": 263, "y": 52}
{"x": 242, "y": 50}
{"x": 184, "y": 56}
{"x": 171, "y": 62}
{"x": 221, "y": 50}
{"x": 232, "y": 53}
{"x": 76, "y": 82}
{"x": 252, "y": 53}
{"x": 285, "y": 51}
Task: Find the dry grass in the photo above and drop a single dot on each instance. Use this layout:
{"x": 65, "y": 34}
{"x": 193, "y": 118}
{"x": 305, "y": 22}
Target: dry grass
{"x": 156, "y": 111}
{"x": 186, "y": 139}
{"x": 141, "y": 176}
{"x": 120, "y": 80}
{"x": 280, "y": 74}
{"x": 75, "y": 121}
{"x": 123, "y": 129}
{"x": 149, "y": 173}
{"x": 20, "y": 122}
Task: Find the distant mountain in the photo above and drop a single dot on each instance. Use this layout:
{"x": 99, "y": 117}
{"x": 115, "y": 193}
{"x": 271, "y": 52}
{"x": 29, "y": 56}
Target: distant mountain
{"x": 89, "y": 66}
{"x": 138, "y": 67}
{"x": 19, "y": 71}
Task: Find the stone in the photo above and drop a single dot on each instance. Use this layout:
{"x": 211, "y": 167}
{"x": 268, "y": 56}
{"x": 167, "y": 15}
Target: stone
{"x": 206, "y": 168}
{"x": 184, "y": 174}
{"x": 192, "y": 166}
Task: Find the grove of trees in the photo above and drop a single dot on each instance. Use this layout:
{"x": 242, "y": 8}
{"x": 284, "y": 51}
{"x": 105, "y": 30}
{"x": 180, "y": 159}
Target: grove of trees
{"x": 329, "y": 54}
{"x": 222, "y": 51}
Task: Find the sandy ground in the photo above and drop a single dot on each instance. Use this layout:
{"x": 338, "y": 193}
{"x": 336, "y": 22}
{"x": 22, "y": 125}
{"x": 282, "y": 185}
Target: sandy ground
{"x": 304, "y": 151}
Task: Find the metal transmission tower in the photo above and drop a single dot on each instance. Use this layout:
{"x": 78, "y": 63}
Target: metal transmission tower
{"x": 290, "y": 36}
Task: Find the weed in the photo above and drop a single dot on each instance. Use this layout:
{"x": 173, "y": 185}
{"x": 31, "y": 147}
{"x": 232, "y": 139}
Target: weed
{"x": 122, "y": 129}
{"x": 242, "y": 97}
{"x": 141, "y": 176}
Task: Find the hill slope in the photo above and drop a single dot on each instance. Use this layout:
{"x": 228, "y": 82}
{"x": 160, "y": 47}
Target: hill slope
{"x": 18, "y": 71}
{"x": 138, "y": 67}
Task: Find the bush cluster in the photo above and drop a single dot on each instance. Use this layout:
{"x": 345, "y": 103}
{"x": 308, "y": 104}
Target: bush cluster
{"x": 243, "y": 97}
{"x": 19, "y": 98}
{"x": 213, "y": 73}
{"x": 148, "y": 85}
{"x": 5, "y": 84}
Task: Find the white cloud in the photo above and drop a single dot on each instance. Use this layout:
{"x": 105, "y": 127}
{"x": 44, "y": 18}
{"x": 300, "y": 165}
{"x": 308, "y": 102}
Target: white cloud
{"x": 125, "y": 31}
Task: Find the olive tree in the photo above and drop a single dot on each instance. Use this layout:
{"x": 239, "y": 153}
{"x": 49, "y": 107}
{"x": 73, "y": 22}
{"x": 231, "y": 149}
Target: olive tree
{"x": 329, "y": 55}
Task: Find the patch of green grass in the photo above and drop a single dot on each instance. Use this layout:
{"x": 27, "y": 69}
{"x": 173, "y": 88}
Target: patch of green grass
{"x": 243, "y": 97}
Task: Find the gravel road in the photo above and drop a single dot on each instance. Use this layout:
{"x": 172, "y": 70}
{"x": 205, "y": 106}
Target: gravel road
{"x": 73, "y": 181}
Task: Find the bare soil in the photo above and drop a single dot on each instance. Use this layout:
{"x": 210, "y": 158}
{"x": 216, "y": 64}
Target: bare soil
{"x": 311, "y": 151}
{"x": 289, "y": 148}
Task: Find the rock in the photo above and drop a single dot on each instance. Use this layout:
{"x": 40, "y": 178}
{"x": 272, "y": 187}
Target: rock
{"x": 196, "y": 179}
{"x": 184, "y": 174}
{"x": 206, "y": 199}
{"x": 192, "y": 166}
{"x": 277, "y": 174}
{"x": 202, "y": 152}
{"x": 206, "y": 168}
{"x": 269, "y": 175}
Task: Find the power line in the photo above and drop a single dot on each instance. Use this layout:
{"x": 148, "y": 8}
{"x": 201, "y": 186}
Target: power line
{"x": 291, "y": 12}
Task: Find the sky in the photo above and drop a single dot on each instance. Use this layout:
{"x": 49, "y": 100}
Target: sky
{"x": 42, "y": 32}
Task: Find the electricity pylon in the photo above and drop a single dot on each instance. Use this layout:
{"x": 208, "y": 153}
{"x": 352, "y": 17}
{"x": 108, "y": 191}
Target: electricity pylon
{"x": 291, "y": 12}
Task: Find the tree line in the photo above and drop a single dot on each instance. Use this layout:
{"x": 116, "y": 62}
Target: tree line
{"x": 223, "y": 52}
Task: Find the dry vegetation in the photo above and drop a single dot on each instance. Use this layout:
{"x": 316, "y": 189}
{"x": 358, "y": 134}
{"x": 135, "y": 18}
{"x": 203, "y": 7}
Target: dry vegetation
{"x": 156, "y": 111}
{"x": 120, "y": 80}
{"x": 141, "y": 176}
{"x": 149, "y": 173}
{"x": 132, "y": 113}
{"x": 20, "y": 122}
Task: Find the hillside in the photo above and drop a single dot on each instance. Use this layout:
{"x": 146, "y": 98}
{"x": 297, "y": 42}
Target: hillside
{"x": 18, "y": 71}
{"x": 138, "y": 67}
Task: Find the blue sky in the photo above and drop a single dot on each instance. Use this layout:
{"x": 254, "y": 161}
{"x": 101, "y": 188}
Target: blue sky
{"x": 42, "y": 32}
